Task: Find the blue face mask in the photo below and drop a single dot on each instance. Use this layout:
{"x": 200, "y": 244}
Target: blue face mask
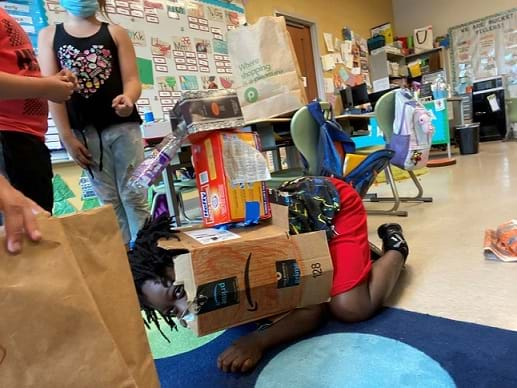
{"x": 80, "y": 8}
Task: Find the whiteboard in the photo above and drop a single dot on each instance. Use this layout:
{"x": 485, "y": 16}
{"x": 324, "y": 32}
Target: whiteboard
{"x": 484, "y": 48}
{"x": 180, "y": 44}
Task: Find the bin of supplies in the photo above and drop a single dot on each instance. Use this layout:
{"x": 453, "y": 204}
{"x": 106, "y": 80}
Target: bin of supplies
{"x": 467, "y": 137}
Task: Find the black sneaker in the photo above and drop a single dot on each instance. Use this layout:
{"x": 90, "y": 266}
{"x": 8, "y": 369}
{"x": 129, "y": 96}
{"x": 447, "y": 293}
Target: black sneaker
{"x": 393, "y": 239}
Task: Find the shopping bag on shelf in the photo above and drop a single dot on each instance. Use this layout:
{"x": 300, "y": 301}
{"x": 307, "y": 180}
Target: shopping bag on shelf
{"x": 71, "y": 316}
{"x": 267, "y": 76}
{"x": 423, "y": 39}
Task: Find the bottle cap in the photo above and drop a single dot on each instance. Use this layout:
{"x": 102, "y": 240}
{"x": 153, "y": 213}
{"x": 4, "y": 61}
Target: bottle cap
{"x": 149, "y": 117}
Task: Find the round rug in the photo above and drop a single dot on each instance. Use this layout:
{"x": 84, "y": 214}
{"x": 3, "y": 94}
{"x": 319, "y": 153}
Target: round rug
{"x": 352, "y": 360}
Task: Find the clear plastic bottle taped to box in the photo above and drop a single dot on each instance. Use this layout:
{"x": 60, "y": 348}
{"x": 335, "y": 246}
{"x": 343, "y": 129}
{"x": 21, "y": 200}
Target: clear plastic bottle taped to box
{"x": 153, "y": 165}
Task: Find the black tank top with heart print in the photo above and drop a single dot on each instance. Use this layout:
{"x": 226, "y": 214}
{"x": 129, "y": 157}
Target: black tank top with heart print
{"x": 94, "y": 60}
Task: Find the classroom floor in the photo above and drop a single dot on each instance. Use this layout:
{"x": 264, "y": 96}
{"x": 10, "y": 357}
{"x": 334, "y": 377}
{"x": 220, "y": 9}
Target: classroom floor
{"x": 451, "y": 306}
{"x": 446, "y": 274}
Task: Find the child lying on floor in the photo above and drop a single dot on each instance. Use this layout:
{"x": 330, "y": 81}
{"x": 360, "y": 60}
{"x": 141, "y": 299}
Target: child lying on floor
{"x": 359, "y": 288}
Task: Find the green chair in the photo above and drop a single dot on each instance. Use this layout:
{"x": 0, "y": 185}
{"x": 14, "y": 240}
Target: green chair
{"x": 385, "y": 114}
{"x": 305, "y": 135}
{"x": 180, "y": 187}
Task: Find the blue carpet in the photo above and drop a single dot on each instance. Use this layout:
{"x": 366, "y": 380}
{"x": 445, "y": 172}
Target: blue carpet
{"x": 396, "y": 348}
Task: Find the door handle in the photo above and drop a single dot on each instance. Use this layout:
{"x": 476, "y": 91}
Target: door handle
{"x": 479, "y": 113}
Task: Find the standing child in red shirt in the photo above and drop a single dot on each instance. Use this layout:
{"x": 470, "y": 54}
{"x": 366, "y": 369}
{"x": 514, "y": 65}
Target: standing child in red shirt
{"x": 24, "y": 158}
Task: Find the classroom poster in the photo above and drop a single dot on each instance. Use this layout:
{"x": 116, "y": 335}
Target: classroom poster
{"x": 180, "y": 44}
{"x": 484, "y": 48}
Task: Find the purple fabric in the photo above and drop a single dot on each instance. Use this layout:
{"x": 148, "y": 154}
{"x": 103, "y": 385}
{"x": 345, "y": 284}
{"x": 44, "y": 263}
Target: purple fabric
{"x": 399, "y": 144}
{"x": 161, "y": 206}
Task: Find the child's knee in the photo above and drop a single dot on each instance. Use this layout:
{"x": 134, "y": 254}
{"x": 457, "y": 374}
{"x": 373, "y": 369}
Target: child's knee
{"x": 134, "y": 198}
{"x": 350, "y": 315}
{"x": 350, "y": 311}
{"x": 108, "y": 196}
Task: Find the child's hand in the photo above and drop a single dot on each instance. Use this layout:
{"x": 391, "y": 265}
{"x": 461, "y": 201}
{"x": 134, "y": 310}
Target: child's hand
{"x": 20, "y": 216}
{"x": 70, "y": 77}
{"x": 77, "y": 151}
{"x": 242, "y": 356}
{"x": 123, "y": 105}
{"x": 58, "y": 88}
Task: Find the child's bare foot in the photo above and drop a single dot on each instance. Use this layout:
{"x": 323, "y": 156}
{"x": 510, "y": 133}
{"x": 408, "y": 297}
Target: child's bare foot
{"x": 242, "y": 356}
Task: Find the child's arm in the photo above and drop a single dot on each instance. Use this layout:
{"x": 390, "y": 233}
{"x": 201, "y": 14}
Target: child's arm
{"x": 16, "y": 87}
{"x": 244, "y": 354}
{"x": 48, "y": 64}
{"x": 124, "y": 103}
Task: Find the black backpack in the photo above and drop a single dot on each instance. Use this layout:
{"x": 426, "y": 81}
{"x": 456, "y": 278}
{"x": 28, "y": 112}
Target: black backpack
{"x": 313, "y": 203}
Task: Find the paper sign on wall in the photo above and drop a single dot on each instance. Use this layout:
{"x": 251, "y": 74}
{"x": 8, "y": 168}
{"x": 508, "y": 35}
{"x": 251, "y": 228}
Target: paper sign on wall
{"x": 439, "y": 105}
{"x": 381, "y": 84}
{"x": 329, "y": 85}
{"x": 328, "y": 62}
{"x": 329, "y": 41}
{"x": 338, "y": 58}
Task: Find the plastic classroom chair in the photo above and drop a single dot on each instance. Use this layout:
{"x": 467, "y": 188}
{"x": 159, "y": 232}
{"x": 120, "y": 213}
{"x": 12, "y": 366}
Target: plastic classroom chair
{"x": 385, "y": 114}
{"x": 305, "y": 135}
{"x": 158, "y": 200}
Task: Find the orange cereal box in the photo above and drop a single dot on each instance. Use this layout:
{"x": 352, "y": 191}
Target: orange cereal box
{"x": 222, "y": 201}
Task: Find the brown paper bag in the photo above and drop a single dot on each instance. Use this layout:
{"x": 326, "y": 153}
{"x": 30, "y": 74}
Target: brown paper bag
{"x": 70, "y": 315}
{"x": 266, "y": 71}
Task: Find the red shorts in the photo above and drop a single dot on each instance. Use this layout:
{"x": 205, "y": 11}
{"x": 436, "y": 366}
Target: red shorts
{"x": 349, "y": 248}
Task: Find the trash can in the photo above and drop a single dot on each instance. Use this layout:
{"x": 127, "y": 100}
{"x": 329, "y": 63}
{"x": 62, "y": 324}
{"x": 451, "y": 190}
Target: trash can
{"x": 467, "y": 137}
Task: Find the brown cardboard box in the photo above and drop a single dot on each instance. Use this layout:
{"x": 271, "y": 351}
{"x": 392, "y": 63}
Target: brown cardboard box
{"x": 262, "y": 273}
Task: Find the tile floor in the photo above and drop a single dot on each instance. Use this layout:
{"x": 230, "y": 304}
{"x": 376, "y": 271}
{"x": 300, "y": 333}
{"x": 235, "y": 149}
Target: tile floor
{"x": 447, "y": 274}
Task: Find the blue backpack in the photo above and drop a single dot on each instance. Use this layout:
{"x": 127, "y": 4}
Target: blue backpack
{"x": 331, "y": 161}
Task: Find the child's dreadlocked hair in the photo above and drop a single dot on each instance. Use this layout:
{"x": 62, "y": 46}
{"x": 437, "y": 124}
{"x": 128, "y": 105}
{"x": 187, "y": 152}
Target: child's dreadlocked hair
{"x": 149, "y": 262}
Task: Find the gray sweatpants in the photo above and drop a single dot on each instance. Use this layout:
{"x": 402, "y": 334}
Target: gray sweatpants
{"x": 123, "y": 150}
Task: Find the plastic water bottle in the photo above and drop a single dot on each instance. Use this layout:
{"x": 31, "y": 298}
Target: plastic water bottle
{"x": 151, "y": 168}
{"x": 439, "y": 88}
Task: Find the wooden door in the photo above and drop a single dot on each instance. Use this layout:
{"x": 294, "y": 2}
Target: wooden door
{"x": 302, "y": 42}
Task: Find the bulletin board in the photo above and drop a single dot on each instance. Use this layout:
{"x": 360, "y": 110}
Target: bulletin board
{"x": 180, "y": 44}
{"x": 347, "y": 60}
{"x": 484, "y": 48}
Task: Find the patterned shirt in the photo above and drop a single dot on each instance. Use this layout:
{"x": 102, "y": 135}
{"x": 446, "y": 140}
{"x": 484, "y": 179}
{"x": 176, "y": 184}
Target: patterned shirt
{"x": 17, "y": 57}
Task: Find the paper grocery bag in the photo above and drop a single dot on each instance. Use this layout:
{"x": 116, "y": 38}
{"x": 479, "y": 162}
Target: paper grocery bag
{"x": 423, "y": 39}
{"x": 70, "y": 315}
{"x": 267, "y": 76}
